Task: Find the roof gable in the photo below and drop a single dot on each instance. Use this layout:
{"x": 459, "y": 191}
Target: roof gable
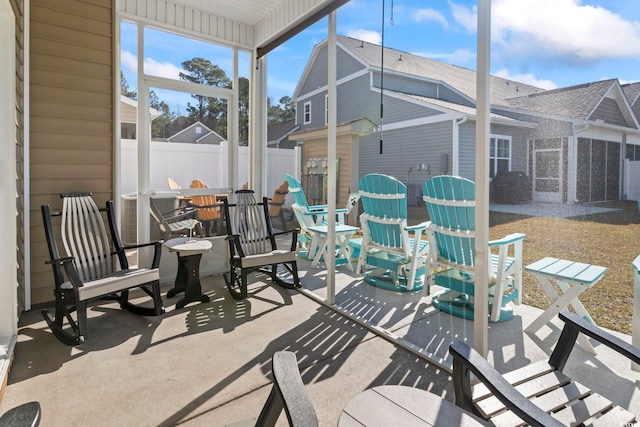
{"x": 588, "y": 101}
{"x": 459, "y": 78}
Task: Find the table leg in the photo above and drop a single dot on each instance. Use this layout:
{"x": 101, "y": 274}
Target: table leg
{"x": 345, "y": 250}
{"x": 559, "y": 303}
{"x": 321, "y": 250}
{"x": 188, "y": 281}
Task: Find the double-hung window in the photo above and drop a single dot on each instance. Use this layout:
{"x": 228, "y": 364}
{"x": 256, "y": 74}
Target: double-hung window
{"x": 307, "y": 112}
{"x": 499, "y": 154}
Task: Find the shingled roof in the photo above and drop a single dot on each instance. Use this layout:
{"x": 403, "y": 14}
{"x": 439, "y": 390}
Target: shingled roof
{"x": 576, "y": 102}
{"x": 632, "y": 91}
{"x": 459, "y": 78}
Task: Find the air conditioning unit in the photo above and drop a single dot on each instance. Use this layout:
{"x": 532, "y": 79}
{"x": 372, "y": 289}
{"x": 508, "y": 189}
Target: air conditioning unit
{"x": 129, "y": 219}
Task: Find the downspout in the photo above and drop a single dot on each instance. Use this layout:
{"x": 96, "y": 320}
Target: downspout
{"x": 455, "y": 155}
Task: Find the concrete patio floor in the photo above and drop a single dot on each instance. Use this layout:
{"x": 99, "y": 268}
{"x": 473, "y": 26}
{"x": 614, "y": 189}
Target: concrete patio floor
{"x": 209, "y": 364}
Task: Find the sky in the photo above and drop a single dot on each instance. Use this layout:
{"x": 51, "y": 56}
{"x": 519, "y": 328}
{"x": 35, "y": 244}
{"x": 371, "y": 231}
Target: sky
{"x": 545, "y": 43}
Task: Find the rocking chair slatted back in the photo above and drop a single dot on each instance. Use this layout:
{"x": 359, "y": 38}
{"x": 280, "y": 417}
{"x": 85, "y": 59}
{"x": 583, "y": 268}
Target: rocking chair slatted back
{"x": 253, "y": 246}
{"x": 84, "y": 236}
{"x": 250, "y": 224}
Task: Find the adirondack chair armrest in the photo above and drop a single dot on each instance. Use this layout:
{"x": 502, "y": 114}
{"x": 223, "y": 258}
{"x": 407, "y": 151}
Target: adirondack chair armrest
{"x": 508, "y": 240}
{"x": 272, "y": 203}
{"x": 466, "y": 361}
{"x": 324, "y": 211}
{"x": 294, "y": 236}
{"x": 575, "y": 324}
{"x": 318, "y": 207}
{"x": 421, "y": 226}
{"x": 183, "y": 210}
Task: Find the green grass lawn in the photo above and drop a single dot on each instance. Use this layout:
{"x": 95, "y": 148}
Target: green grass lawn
{"x": 608, "y": 239}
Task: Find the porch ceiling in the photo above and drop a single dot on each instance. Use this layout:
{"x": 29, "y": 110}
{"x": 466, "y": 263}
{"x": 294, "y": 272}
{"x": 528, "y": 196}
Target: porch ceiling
{"x": 269, "y": 22}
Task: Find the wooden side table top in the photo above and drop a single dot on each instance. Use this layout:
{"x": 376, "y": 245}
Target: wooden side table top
{"x": 188, "y": 246}
{"x": 393, "y": 405}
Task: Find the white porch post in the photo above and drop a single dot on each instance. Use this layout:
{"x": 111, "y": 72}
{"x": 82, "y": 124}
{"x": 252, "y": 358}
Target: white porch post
{"x": 481, "y": 306}
{"x": 331, "y": 156}
{"x": 258, "y": 126}
{"x": 233, "y": 132}
{"x": 8, "y": 227}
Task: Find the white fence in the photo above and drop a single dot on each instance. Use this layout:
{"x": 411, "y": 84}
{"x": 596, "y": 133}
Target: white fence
{"x": 208, "y": 163}
{"x": 632, "y": 179}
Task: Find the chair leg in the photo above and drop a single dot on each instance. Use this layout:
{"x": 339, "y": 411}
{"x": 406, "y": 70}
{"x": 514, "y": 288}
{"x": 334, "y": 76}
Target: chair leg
{"x": 155, "y": 295}
{"x": 292, "y": 267}
{"x": 82, "y": 320}
{"x": 235, "y": 283}
{"x": 63, "y": 311}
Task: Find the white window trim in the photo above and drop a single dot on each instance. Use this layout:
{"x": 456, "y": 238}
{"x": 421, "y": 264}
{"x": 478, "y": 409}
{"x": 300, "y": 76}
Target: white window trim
{"x": 304, "y": 113}
{"x": 494, "y": 156}
{"x": 326, "y": 109}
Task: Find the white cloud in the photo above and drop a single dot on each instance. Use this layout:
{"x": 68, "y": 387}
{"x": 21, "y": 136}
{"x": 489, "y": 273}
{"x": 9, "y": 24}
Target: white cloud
{"x": 366, "y": 35}
{"x": 465, "y": 16}
{"x": 563, "y": 30}
{"x": 528, "y": 78}
{"x": 128, "y": 61}
{"x": 422, "y": 15}
{"x": 162, "y": 69}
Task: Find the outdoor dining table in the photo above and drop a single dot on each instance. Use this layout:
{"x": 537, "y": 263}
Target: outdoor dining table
{"x": 396, "y": 405}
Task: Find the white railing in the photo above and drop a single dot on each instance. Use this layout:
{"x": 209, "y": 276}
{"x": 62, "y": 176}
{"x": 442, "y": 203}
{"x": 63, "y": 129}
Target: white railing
{"x": 206, "y": 162}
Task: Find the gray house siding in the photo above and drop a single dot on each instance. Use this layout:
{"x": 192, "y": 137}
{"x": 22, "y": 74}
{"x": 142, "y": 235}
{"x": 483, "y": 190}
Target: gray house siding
{"x": 421, "y": 88}
{"x": 356, "y": 100}
{"x": 609, "y": 111}
{"x": 407, "y": 148}
{"x": 467, "y": 150}
{"x": 317, "y": 76}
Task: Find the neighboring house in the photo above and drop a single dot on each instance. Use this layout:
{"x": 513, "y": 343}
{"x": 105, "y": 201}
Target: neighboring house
{"x": 561, "y": 139}
{"x": 129, "y": 117}
{"x": 278, "y": 135}
{"x": 196, "y": 133}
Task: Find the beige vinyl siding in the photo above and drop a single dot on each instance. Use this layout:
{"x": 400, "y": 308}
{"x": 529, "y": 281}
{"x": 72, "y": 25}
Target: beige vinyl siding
{"x": 72, "y": 113}
{"x": 18, "y": 10}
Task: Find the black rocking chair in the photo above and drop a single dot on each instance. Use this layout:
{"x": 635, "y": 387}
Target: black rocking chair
{"x": 252, "y": 244}
{"x": 86, "y": 271}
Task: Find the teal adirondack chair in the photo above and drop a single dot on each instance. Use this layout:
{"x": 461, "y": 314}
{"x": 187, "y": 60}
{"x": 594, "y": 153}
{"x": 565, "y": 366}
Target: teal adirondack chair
{"x": 393, "y": 259}
{"x": 450, "y": 203}
{"x": 308, "y": 216}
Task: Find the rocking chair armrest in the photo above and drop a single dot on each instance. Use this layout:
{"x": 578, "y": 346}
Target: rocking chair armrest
{"x": 575, "y": 324}
{"x": 508, "y": 240}
{"x": 60, "y": 261}
{"x": 234, "y": 239}
{"x": 466, "y": 361}
{"x": 157, "y": 250}
{"x": 294, "y": 236}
